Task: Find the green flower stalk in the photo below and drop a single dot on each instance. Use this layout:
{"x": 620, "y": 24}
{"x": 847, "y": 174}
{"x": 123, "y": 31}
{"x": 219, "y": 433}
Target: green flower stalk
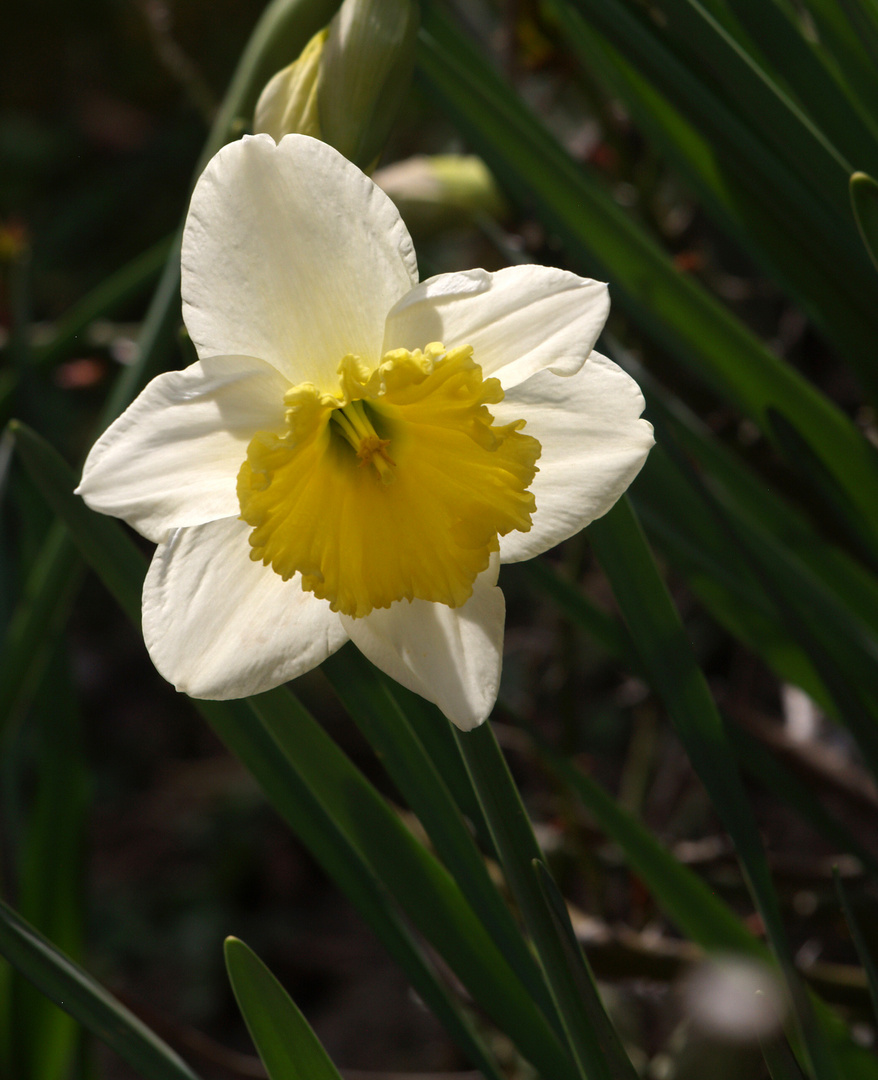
{"x": 349, "y": 81}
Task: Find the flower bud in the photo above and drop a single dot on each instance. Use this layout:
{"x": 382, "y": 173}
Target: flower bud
{"x": 364, "y": 74}
{"x": 348, "y": 83}
{"x": 434, "y": 192}
{"x": 289, "y": 101}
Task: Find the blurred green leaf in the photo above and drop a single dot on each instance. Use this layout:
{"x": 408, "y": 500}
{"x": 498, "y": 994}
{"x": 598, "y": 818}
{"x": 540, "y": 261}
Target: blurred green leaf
{"x": 65, "y": 983}
{"x": 780, "y": 1061}
{"x": 673, "y": 309}
{"x": 578, "y": 607}
{"x": 753, "y": 756}
{"x": 729, "y": 99}
{"x": 843, "y": 652}
{"x": 665, "y": 653}
{"x": 744, "y": 209}
{"x": 757, "y": 96}
{"x": 859, "y": 939}
{"x": 816, "y": 84}
{"x": 126, "y": 284}
{"x": 864, "y": 197}
{"x": 50, "y": 869}
{"x": 112, "y": 293}
{"x": 287, "y": 1046}
{"x": 694, "y": 908}
{"x": 747, "y": 496}
{"x": 108, "y": 547}
{"x": 847, "y": 32}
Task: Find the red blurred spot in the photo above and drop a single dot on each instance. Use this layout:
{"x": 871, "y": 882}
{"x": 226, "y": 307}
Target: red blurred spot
{"x": 14, "y": 239}
{"x": 78, "y": 374}
{"x": 755, "y": 924}
{"x": 603, "y": 156}
{"x": 690, "y": 262}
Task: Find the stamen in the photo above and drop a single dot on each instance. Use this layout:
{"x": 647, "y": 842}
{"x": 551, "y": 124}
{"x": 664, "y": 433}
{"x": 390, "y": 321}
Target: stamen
{"x": 373, "y": 451}
{"x": 370, "y": 448}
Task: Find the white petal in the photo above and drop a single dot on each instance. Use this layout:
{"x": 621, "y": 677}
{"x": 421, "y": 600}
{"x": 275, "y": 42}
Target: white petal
{"x": 218, "y": 625}
{"x": 593, "y": 447}
{"x": 293, "y": 255}
{"x": 172, "y": 458}
{"x": 519, "y": 320}
{"x": 450, "y": 656}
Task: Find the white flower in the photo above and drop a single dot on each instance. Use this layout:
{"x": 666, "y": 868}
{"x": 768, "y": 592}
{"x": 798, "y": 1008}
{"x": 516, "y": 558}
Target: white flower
{"x": 355, "y": 453}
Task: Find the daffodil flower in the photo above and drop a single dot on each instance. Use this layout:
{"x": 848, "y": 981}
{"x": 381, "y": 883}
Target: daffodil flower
{"x": 354, "y": 453}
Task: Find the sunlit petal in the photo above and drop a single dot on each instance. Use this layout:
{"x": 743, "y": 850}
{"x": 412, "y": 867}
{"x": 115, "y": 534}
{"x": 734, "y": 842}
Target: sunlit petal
{"x": 593, "y": 445}
{"x": 172, "y": 457}
{"x": 218, "y": 625}
{"x": 518, "y": 321}
{"x": 291, "y": 254}
{"x": 451, "y": 657}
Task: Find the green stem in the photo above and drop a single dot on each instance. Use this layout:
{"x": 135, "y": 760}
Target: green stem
{"x": 590, "y": 1034}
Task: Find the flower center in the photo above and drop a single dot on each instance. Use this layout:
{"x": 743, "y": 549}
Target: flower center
{"x": 397, "y": 488}
{"x": 357, "y": 428}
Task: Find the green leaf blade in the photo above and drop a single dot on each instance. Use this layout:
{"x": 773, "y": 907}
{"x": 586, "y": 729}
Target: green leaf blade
{"x": 864, "y": 198}
{"x": 71, "y": 988}
{"x": 284, "y": 1040}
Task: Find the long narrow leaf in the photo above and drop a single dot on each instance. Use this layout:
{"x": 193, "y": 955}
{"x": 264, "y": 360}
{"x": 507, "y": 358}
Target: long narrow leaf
{"x": 50, "y": 864}
{"x": 341, "y": 818}
{"x": 766, "y": 164}
{"x": 844, "y": 655}
{"x": 753, "y": 756}
{"x": 242, "y": 730}
{"x": 767, "y": 107}
{"x": 418, "y": 882}
{"x": 748, "y": 217}
{"x": 863, "y": 951}
{"x": 864, "y": 197}
{"x": 519, "y": 852}
{"x": 665, "y": 653}
{"x": 670, "y": 307}
{"x": 372, "y": 704}
{"x": 56, "y": 976}
{"x": 816, "y": 84}
{"x": 850, "y": 37}
{"x": 286, "y": 1044}
{"x": 591, "y": 1032}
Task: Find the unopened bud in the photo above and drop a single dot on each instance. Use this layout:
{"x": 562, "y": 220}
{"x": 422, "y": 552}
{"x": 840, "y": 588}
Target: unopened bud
{"x": 365, "y": 73}
{"x": 349, "y": 82}
{"x": 432, "y": 193}
{"x": 289, "y": 101}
